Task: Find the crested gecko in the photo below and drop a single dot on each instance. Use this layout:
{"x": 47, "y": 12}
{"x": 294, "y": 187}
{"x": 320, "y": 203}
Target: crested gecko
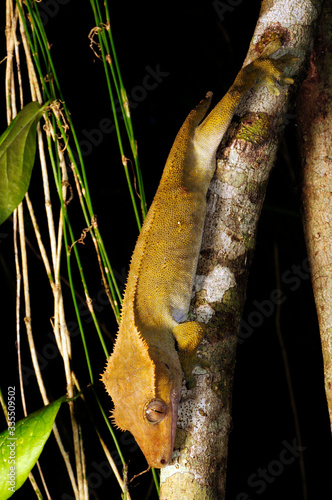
{"x": 155, "y": 342}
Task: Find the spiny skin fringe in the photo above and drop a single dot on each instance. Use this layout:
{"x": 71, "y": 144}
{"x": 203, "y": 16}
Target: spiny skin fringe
{"x": 141, "y": 339}
{"x": 114, "y": 422}
{"x": 132, "y": 306}
{"x": 139, "y": 336}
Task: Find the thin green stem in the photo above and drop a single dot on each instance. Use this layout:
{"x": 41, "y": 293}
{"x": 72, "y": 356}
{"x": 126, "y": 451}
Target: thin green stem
{"x": 111, "y": 68}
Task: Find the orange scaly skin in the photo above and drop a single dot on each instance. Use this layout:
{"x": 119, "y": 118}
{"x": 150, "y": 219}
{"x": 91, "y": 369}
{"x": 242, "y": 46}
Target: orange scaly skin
{"x": 144, "y": 375}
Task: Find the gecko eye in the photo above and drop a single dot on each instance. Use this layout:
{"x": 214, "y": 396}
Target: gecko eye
{"x": 155, "y": 411}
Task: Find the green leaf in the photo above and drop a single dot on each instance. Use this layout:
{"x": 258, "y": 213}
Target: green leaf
{"x": 20, "y": 447}
{"x": 17, "y": 157}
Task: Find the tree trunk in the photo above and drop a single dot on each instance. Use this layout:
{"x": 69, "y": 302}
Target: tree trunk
{"x": 315, "y": 135}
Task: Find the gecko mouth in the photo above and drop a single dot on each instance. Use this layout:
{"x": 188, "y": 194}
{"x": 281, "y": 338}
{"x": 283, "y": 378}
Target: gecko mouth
{"x": 174, "y": 415}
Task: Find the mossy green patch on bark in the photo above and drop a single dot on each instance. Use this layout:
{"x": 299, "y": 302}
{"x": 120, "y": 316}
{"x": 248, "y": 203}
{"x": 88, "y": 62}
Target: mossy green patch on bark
{"x": 255, "y": 128}
{"x": 249, "y": 241}
{"x": 232, "y": 299}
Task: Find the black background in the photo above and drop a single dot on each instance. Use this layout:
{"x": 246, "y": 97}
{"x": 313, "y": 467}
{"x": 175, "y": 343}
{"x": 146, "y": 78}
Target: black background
{"x": 197, "y": 50}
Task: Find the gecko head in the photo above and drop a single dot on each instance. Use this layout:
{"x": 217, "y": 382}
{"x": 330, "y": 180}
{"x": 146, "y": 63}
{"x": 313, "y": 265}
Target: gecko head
{"x": 154, "y": 428}
{"x": 146, "y": 394}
